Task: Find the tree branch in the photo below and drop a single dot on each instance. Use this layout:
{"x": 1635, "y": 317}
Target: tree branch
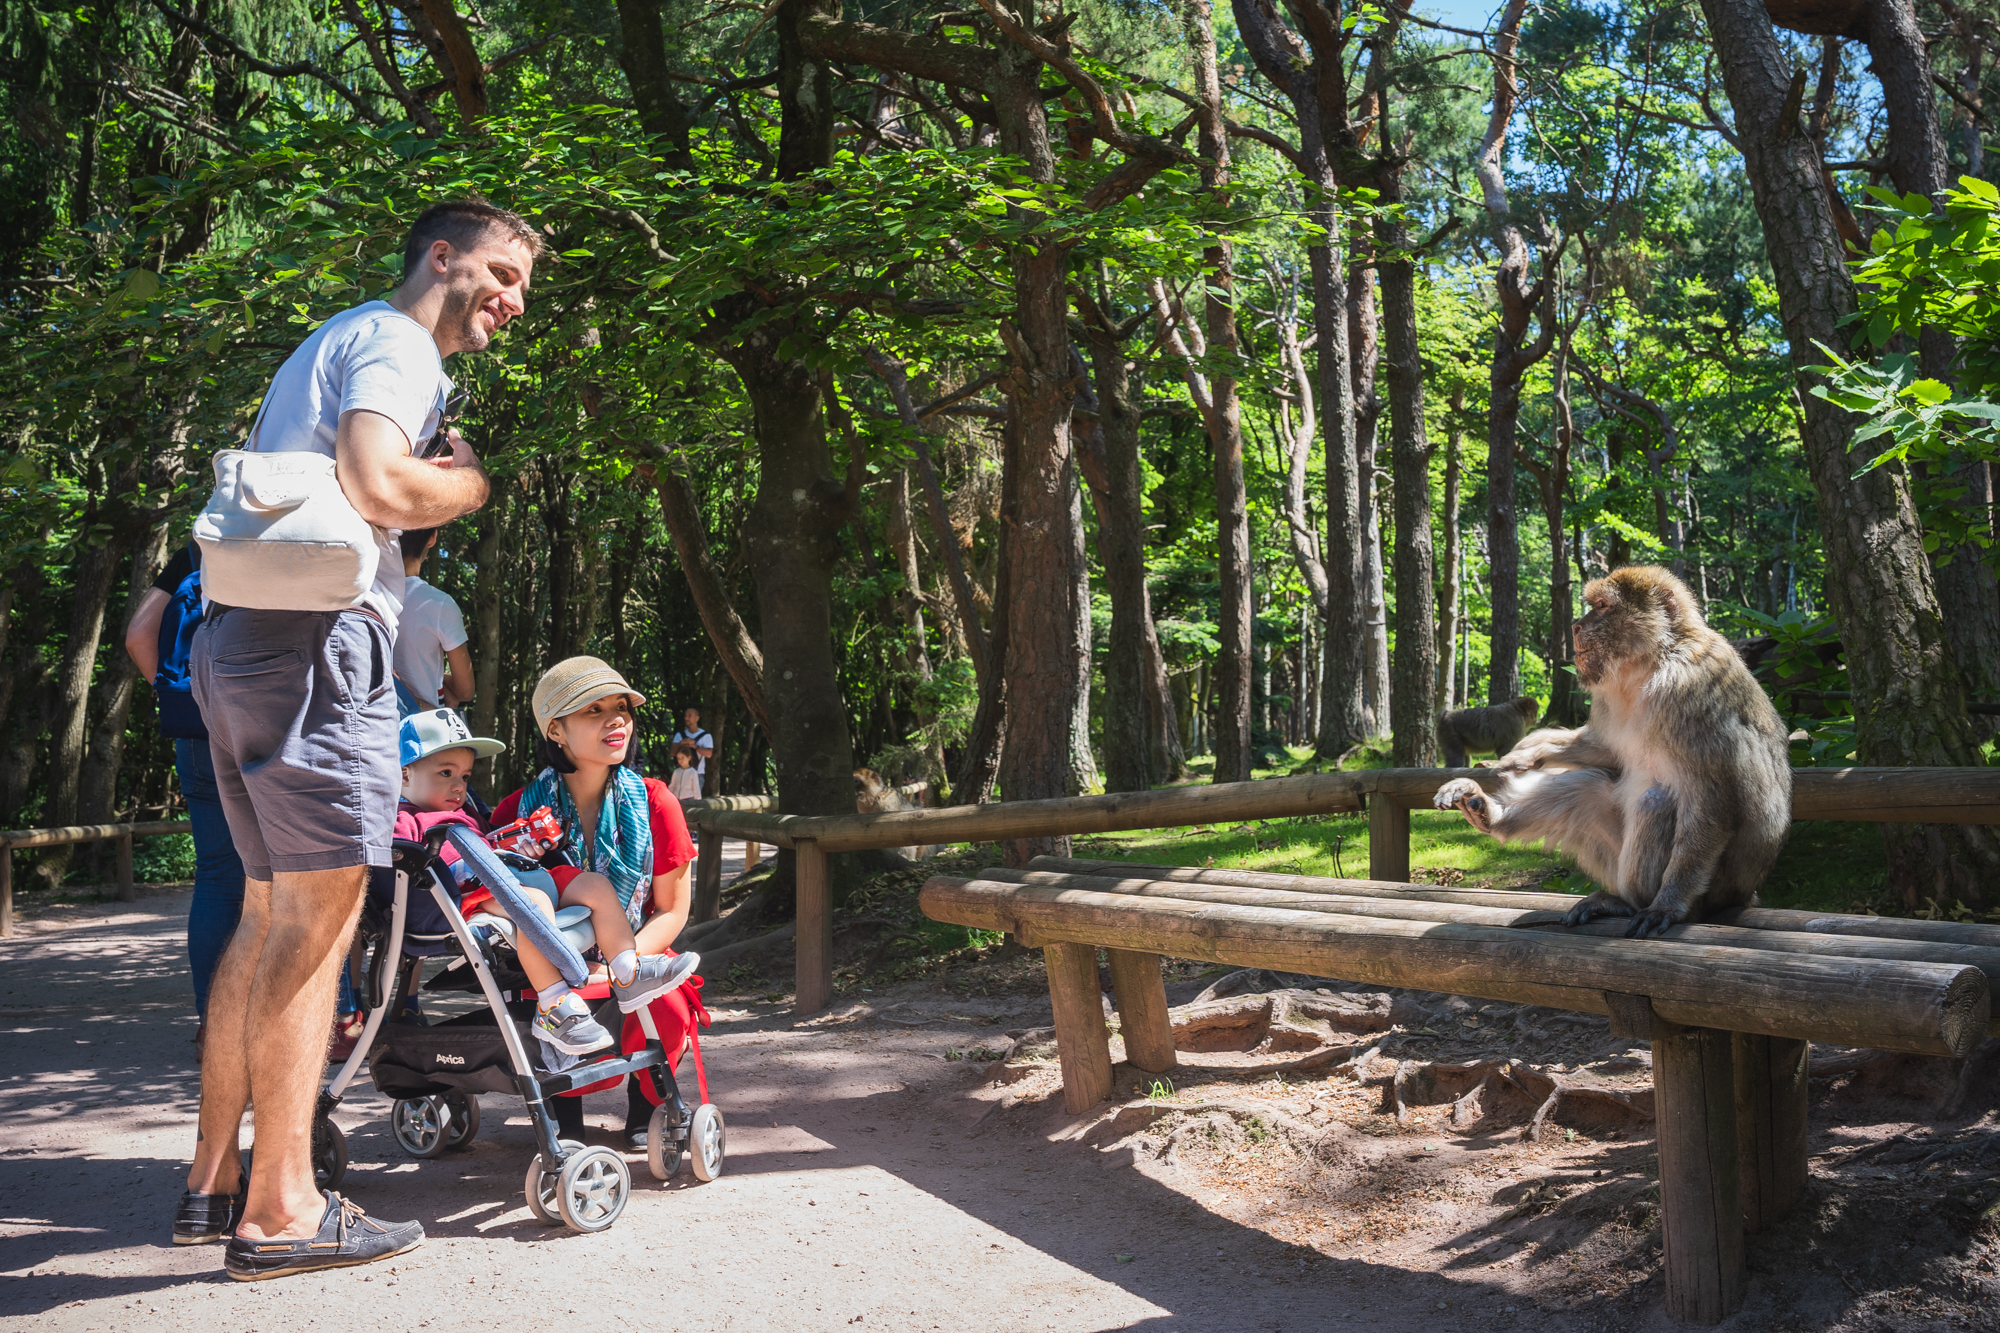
{"x": 294, "y": 70}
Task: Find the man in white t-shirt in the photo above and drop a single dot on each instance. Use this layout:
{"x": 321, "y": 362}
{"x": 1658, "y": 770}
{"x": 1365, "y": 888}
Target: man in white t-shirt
{"x": 696, "y": 742}
{"x": 433, "y": 665}
{"x": 301, "y": 714}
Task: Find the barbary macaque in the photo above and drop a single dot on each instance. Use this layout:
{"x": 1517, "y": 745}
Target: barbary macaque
{"x": 874, "y": 795}
{"x": 1494, "y": 729}
{"x": 1677, "y": 795}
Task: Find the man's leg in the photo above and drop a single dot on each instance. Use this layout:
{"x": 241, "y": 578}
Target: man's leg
{"x": 289, "y": 1009}
{"x": 225, "y": 1075}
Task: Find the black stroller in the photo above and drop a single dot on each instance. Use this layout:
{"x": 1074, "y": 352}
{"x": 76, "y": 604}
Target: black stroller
{"x": 434, "y": 1071}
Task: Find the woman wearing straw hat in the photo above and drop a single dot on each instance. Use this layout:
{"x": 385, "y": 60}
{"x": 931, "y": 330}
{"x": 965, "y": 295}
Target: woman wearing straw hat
{"x": 622, "y": 825}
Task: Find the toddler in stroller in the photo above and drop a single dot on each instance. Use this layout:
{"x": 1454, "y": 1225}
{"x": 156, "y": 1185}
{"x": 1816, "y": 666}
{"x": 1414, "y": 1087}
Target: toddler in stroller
{"x": 435, "y": 1071}
{"x": 438, "y": 752}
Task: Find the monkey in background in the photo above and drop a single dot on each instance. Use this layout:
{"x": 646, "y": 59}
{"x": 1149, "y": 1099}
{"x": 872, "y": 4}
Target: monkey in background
{"x": 1496, "y": 727}
{"x": 1677, "y": 795}
{"x": 873, "y": 794}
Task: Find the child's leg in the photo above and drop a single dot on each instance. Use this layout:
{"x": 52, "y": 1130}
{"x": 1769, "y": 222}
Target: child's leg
{"x": 607, "y": 917}
{"x": 561, "y": 1017}
{"x": 541, "y": 972}
{"x": 634, "y": 979}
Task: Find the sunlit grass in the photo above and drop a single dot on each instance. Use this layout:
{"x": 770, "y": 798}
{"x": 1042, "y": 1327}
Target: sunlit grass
{"x": 1826, "y": 866}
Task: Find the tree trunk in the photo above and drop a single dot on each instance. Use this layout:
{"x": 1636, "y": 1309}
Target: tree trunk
{"x": 1513, "y": 355}
{"x": 1047, "y": 666}
{"x": 1450, "y": 599}
{"x": 1141, "y": 741}
{"x": 1364, "y": 343}
{"x": 979, "y": 764}
{"x": 642, "y": 55}
{"x": 96, "y": 572}
{"x": 1314, "y": 80}
{"x": 792, "y": 538}
{"x": 897, "y": 382}
{"x": 1914, "y": 152}
{"x": 1223, "y": 418}
{"x": 1909, "y": 695}
{"x": 738, "y": 652}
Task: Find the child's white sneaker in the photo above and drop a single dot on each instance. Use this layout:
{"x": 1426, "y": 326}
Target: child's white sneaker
{"x": 655, "y": 975}
{"x": 568, "y": 1026}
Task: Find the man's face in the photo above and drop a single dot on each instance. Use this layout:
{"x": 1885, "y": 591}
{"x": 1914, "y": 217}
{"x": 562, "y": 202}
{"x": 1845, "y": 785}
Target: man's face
{"x": 691, "y": 721}
{"x": 484, "y": 287}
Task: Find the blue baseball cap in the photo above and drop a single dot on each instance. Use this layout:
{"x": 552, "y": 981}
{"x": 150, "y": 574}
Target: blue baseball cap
{"x": 424, "y": 734}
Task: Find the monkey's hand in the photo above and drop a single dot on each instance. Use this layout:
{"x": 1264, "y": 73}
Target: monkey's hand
{"x": 1526, "y": 758}
{"x": 1654, "y": 922}
{"x": 1599, "y": 903}
{"x": 1470, "y": 800}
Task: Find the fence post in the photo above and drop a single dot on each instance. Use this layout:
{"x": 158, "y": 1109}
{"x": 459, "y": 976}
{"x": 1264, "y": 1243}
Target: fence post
{"x": 707, "y": 902}
{"x": 126, "y": 891}
{"x": 1701, "y": 1205}
{"x": 1770, "y": 1125}
{"x": 6, "y": 888}
{"x": 1082, "y": 1044}
{"x": 1141, "y": 992}
{"x": 814, "y": 986}
{"x": 1388, "y": 839}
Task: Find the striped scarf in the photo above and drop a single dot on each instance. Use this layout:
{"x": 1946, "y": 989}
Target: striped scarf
{"x": 623, "y": 848}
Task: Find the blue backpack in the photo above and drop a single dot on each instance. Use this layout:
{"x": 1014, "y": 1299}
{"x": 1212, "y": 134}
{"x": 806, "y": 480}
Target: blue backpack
{"x": 180, "y": 716}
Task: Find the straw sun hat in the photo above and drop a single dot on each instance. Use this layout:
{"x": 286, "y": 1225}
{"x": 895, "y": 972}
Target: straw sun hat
{"x": 574, "y": 682}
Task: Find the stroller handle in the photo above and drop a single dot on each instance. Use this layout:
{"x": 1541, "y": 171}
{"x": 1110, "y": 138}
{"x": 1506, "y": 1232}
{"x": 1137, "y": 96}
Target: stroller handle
{"x": 500, "y": 881}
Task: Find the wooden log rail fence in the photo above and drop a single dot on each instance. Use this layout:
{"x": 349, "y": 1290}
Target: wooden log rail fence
{"x": 52, "y": 837}
{"x": 1730, "y": 1005}
{"x": 1887, "y": 795}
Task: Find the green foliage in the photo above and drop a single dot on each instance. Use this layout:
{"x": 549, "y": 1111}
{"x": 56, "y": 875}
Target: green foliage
{"x": 163, "y": 860}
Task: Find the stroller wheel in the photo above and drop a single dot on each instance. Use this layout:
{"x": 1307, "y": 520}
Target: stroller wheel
{"x": 464, "y": 1110}
{"x": 593, "y": 1189}
{"x": 664, "y": 1141}
{"x": 422, "y": 1125}
{"x": 540, "y": 1186}
{"x": 707, "y": 1139}
{"x": 329, "y": 1154}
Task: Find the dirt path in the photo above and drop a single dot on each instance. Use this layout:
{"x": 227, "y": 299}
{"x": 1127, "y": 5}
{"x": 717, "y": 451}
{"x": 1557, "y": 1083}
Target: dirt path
{"x": 872, "y": 1182}
{"x": 864, "y": 1188}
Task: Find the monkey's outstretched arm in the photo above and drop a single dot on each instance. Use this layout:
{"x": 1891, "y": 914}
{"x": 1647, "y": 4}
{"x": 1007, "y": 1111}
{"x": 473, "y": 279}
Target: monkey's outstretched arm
{"x": 1576, "y": 812}
{"x": 1553, "y": 747}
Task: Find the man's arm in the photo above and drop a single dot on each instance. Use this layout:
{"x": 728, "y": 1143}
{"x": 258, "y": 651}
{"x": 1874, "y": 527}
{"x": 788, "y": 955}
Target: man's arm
{"x": 393, "y": 489}
{"x": 142, "y": 633}
{"x": 706, "y": 751}
{"x": 458, "y": 675}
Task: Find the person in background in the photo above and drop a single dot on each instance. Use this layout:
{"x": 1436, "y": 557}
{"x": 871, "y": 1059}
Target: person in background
{"x": 685, "y": 784}
{"x": 699, "y": 745}
{"x": 157, "y": 640}
{"x": 433, "y": 666}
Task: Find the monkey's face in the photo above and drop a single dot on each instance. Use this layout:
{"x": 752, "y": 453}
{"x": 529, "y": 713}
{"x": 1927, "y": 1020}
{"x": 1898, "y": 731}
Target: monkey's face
{"x": 1612, "y": 630}
{"x": 1628, "y": 617}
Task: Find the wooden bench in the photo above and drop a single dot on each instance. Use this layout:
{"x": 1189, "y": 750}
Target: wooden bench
{"x": 1728, "y": 1006}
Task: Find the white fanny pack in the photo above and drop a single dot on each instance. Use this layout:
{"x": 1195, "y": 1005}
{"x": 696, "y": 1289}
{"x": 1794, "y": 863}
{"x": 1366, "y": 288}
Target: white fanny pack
{"x": 278, "y": 534}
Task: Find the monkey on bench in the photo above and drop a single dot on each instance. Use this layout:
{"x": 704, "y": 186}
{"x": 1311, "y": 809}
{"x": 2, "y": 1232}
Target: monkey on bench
{"x": 1496, "y": 728}
{"x": 1677, "y": 795}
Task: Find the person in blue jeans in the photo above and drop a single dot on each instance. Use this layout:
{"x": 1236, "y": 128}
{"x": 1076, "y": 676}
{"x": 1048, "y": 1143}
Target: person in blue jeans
{"x": 156, "y": 640}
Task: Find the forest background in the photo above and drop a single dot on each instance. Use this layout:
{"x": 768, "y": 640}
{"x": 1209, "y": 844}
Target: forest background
{"x": 1033, "y": 399}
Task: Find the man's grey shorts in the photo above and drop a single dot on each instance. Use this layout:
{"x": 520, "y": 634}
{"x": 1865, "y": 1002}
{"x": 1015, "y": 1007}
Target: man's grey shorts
{"x": 301, "y": 714}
